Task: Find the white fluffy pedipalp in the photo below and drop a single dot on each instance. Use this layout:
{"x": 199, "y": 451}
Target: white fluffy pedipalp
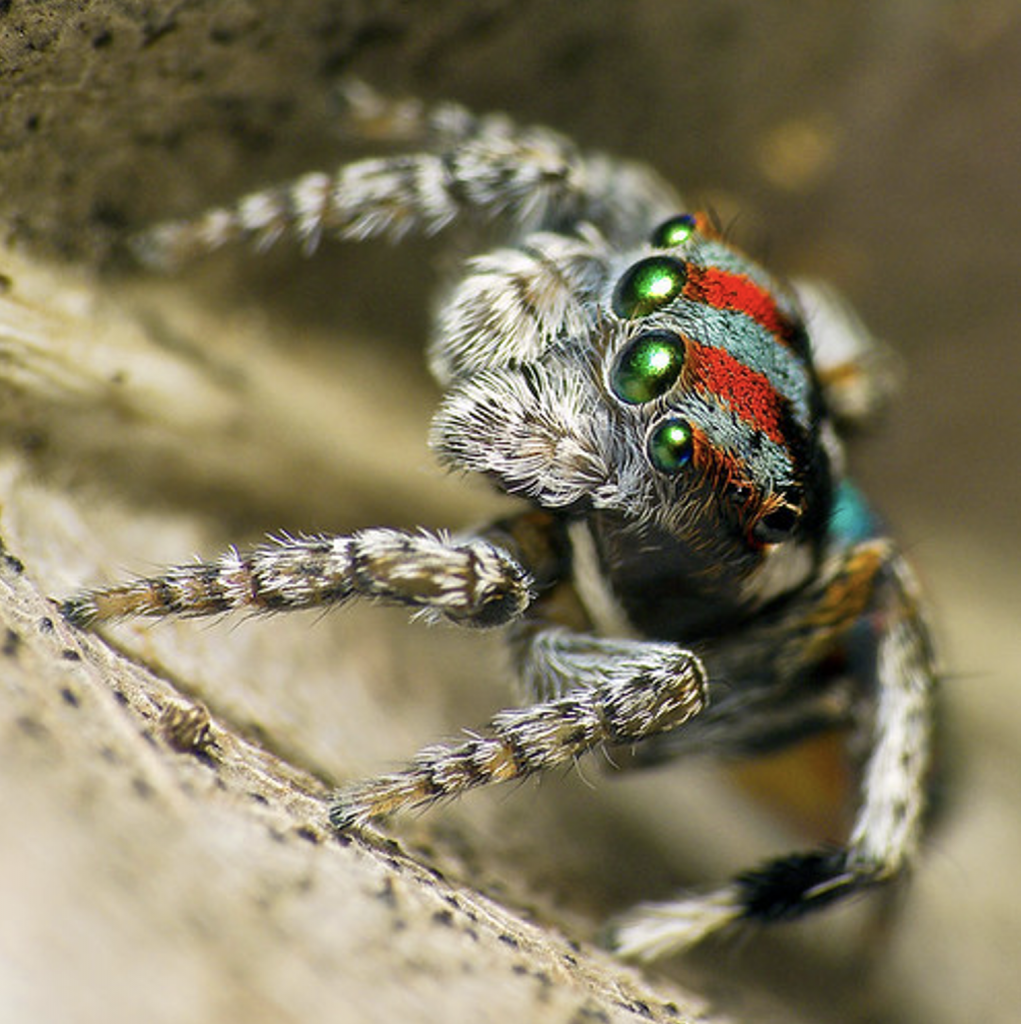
{"x": 512, "y": 304}
{"x": 541, "y": 432}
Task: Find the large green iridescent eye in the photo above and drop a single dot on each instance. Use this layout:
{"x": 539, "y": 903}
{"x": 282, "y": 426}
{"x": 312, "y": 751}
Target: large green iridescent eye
{"x": 647, "y": 367}
{"x": 647, "y": 285}
{"x": 671, "y": 446}
{"x": 675, "y": 231}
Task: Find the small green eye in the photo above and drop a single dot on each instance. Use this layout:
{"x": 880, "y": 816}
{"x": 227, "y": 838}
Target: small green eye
{"x": 647, "y": 285}
{"x": 673, "y": 232}
{"x": 647, "y": 367}
{"x": 670, "y": 446}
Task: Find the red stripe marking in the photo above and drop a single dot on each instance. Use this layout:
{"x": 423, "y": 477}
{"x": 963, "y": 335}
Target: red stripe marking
{"x": 724, "y": 290}
{"x": 744, "y": 390}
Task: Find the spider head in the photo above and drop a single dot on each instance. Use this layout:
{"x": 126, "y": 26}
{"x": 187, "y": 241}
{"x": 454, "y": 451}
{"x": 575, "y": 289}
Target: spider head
{"x": 689, "y": 412}
{"x": 707, "y": 371}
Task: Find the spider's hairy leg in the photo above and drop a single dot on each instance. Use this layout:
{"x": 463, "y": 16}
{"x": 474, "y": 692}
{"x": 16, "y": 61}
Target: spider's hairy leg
{"x": 479, "y": 168}
{"x": 888, "y": 825}
{"x": 471, "y": 582}
{"x": 551, "y": 661}
{"x": 519, "y": 742}
{"x": 872, "y": 580}
{"x": 857, "y": 372}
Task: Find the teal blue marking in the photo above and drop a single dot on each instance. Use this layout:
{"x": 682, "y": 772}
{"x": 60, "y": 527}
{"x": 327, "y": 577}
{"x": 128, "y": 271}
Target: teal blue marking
{"x": 748, "y": 342}
{"x": 716, "y": 253}
{"x": 852, "y": 519}
{"x": 771, "y": 464}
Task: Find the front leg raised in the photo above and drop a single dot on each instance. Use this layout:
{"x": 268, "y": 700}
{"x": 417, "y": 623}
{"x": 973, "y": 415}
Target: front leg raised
{"x": 471, "y": 582}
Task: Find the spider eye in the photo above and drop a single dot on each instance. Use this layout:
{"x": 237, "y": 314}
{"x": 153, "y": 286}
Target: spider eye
{"x": 779, "y": 524}
{"x": 775, "y": 527}
{"x": 647, "y": 285}
{"x": 673, "y": 232}
{"x": 670, "y": 446}
{"x": 647, "y": 367}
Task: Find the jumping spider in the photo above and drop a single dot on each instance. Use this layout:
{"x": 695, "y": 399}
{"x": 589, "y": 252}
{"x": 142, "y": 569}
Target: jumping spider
{"x": 694, "y": 571}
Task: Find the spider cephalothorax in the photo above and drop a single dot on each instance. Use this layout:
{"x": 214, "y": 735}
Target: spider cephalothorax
{"x": 669, "y": 412}
{"x": 676, "y": 405}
